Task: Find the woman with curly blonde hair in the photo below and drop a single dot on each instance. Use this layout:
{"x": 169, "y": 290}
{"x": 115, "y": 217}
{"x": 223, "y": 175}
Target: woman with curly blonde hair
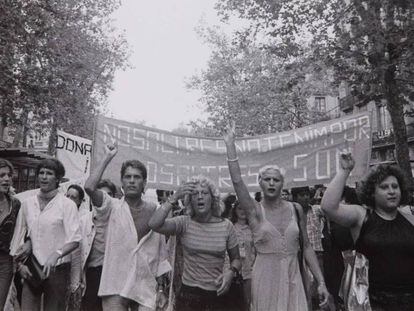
{"x": 205, "y": 237}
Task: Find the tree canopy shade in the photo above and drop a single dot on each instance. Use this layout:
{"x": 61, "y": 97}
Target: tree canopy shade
{"x": 261, "y": 90}
{"x": 58, "y": 59}
{"x": 367, "y": 43}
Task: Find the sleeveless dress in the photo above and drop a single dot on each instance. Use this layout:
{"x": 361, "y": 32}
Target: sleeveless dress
{"x": 277, "y": 282}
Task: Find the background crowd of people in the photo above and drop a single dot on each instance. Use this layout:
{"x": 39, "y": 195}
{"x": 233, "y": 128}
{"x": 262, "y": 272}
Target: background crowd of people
{"x": 279, "y": 249}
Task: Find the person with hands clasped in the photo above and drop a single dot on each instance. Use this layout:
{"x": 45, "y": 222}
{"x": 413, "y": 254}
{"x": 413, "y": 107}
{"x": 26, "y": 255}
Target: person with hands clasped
{"x": 278, "y": 227}
{"x": 50, "y": 224}
{"x": 380, "y": 231}
{"x": 205, "y": 237}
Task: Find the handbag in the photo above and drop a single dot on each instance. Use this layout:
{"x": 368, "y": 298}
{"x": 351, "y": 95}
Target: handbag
{"x": 36, "y": 269}
{"x": 354, "y": 285}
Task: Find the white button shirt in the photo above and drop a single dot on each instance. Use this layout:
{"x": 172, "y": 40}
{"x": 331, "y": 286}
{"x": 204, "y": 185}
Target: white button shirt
{"x": 50, "y": 229}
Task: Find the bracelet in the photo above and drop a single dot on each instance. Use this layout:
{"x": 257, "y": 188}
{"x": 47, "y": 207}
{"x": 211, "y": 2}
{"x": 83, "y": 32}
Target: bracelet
{"x": 233, "y": 160}
{"x": 235, "y": 271}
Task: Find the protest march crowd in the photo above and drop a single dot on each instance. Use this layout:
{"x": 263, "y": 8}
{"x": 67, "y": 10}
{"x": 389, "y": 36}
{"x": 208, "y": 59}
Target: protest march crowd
{"x": 298, "y": 249}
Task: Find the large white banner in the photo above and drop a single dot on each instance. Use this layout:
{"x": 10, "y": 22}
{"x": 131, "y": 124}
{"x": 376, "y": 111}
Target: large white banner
{"x": 307, "y": 156}
{"x": 75, "y": 154}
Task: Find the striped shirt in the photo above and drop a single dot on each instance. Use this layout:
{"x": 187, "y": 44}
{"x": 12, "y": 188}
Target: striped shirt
{"x": 204, "y": 249}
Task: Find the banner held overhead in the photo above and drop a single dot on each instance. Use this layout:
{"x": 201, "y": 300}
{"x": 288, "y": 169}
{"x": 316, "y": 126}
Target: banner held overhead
{"x": 306, "y": 156}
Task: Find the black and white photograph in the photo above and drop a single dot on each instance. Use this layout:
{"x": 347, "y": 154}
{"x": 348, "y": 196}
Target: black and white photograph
{"x": 207, "y": 155}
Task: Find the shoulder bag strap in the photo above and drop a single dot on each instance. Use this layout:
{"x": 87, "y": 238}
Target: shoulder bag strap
{"x": 300, "y": 229}
{"x": 409, "y": 217}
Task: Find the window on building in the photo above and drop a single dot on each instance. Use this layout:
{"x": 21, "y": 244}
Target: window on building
{"x": 375, "y": 156}
{"x": 390, "y": 155}
{"x": 320, "y": 103}
{"x": 383, "y": 118}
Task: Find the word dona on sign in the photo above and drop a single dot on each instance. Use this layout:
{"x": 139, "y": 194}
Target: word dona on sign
{"x": 72, "y": 145}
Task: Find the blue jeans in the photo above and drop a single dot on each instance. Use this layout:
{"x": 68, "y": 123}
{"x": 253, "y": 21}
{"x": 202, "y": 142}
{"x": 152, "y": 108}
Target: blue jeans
{"x": 6, "y": 276}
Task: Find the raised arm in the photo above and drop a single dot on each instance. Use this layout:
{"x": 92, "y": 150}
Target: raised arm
{"x": 95, "y": 176}
{"x": 345, "y": 215}
{"x": 243, "y": 195}
{"x": 158, "y": 221}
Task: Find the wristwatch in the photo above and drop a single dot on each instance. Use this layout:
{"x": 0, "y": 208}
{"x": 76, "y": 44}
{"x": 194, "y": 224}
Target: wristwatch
{"x": 59, "y": 252}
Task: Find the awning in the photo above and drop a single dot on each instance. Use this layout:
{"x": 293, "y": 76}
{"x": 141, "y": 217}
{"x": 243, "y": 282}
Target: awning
{"x": 23, "y": 156}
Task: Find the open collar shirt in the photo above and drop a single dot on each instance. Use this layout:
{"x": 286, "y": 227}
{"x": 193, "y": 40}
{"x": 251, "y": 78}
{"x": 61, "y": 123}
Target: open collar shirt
{"x": 50, "y": 229}
{"x": 130, "y": 267}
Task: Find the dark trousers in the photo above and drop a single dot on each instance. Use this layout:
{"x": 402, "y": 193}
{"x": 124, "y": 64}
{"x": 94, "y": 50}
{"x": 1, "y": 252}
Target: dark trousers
{"x": 91, "y": 301}
{"x": 6, "y": 276}
{"x": 386, "y": 301}
{"x": 54, "y": 290}
{"x": 197, "y": 299}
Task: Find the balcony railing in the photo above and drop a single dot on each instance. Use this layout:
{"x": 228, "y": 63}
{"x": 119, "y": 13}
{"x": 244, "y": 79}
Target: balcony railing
{"x": 381, "y": 138}
{"x": 346, "y": 103}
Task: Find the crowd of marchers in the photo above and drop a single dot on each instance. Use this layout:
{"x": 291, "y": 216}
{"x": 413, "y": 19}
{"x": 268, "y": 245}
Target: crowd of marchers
{"x": 281, "y": 250}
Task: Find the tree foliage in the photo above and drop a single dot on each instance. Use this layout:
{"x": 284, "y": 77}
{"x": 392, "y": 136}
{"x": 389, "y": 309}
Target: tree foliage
{"x": 367, "y": 43}
{"x": 58, "y": 62}
{"x": 261, "y": 90}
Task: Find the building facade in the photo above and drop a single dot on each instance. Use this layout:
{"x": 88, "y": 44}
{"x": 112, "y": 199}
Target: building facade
{"x": 383, "y": 147}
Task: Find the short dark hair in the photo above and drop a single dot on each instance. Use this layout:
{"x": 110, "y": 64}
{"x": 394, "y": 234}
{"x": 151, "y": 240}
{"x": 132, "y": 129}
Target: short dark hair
{"x": 258, "y": 196}
{"x": 52, "y": 164}
{"x": 228, "y": 202}
{"x": 350, "y": 196}
{"x": 135, "y": 164}
{"x": 6, "y": 163}
{"x": 233, "y": 214}
{"x": 79, "y": 190}
{"x": 108, "y": 184}
{"x": 299, "y": 190}
{"x": 285, "y": 191}
{"x": 161, "y": 192}
{"x": 377, "y": 176}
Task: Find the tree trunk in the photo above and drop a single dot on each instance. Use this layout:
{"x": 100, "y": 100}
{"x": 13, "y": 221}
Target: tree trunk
{"x": 3, "y": 125}
{"x": 396, "y": 109}
{"x": 52, "y": 138}
{"x": 18, "y": 137}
